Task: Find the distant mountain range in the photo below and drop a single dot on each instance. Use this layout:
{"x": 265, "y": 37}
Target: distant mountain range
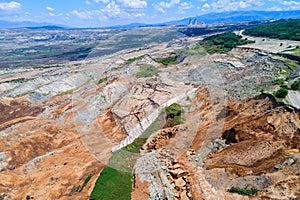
{"x": 210, "y": 18}
{"x": 225, "y": 17}
{"x": 239, "y": 16}
{"x": 9, "y": 24}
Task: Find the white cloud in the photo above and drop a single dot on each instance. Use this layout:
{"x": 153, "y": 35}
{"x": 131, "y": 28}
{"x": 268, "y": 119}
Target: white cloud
{"x": 158, "y": 8}
{"x": 10, "y": 6}
{"x": 84, "y": 14}
{"x": 161, "y": 6}
{"x": 184, "y": 6}
{"x": 164, "y": 4}
{"x": 292, "y": 5}
{"x": 206, "y": 6}
{"x": 87, "y": 2}
{"x": 51, "y": 14}
{"x": 103, "y": 1}
{"x": 50, "y": 9}
{"x": 138, "y": 15}
{"x": 231, "y": 5}
{"x": 112, "y": 9}
{"x": 135, "y": 4}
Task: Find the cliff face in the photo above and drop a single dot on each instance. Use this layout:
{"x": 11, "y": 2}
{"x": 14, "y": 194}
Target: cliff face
{"x": 59, "y": 127}
{"x": 262, "y": 147}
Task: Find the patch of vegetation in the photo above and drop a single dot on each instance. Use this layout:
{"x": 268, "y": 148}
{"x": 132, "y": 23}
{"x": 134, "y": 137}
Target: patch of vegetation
{"x": 46, "y": 66}
{"x": 116, "y": 69}
{"x": 86, "y": 180}
{"x": 26, "y": 93}
{"x": 117, "y": 184}
{"x": 66, "y": 92}
{"x": 296, "y": 85}
{"x": 282, "y": 29}
{"x": 243, "y": 191}
{"x": 131, "y": 60}
{"x": 147, "y": 70}
{"x": 17, "y": 80}
{"x": 291, "y": 63}
{"x": 223, "y": 43}
{"x": 172, "y": 60}
{"x": 196, "y": 49}
{"x": 46, "y": 94}
{"x": 102, "y": 80}
{"x": 174, "y": 114}
{"x": 113, "y": 184}
{"x": 295, "y": 52}
{"x": 281, "y": 93}
{"x": 278, "y": 81}
{"x": 79, "y": 188}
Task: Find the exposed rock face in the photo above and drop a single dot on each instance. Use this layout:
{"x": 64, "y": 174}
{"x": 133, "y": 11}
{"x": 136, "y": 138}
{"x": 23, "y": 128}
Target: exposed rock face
{"x": 257, "y": 147}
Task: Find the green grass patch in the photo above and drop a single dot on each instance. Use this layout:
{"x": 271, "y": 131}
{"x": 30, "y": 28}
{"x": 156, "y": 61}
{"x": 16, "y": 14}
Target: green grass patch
{"x": 147, "y": 70}
{"x": 102, "y": 80}
{"x": 295, "y": 52}
{"x": 116, "y": 68}
{"x": 279, "y": 81}
{"x": 195, "y": 49}
{"x": 172, "y": 60}
{"x": 222, "y": 43}
{"x": 291, "y": 63}
{"x": 66, "y": 92}
{"x": 79, "y": 188}
{"x": 174, "y": 114}
{"x": 281, "y": 93}
{"x": 243, "y": 191}
{"x": 26, "y": 93}
{"x": 117, "y": 184}
{"x": 296, "y": 85}
{"x": 131, "y": 60}
{"x": 113, "y": 184}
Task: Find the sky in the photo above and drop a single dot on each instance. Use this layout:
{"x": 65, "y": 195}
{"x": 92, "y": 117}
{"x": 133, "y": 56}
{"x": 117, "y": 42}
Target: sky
{"x": 100, "y": 13}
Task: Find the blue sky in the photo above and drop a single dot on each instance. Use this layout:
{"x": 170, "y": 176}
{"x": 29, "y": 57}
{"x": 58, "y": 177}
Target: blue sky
{"x": 97, "y": 13}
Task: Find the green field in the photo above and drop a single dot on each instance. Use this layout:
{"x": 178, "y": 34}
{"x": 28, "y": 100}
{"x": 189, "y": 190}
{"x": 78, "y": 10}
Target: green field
{"x": 223, "y": 43}
{"x": 116, "y": 179}
{"x": 295, "y": 52}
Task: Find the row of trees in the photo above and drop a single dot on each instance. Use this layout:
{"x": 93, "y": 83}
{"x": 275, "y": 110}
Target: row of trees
{"x": 282, "y": 29}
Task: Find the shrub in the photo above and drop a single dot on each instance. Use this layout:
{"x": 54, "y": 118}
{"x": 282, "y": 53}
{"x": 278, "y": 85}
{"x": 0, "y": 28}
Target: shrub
{"x": 245, "y": 191}
{"x": 281, "y": 93}
{"x": 131, "y": 60}
{"x": 296, "y": 85}
{"x": 167, "y": 61}
{"x": 174, "y": 114}
{"x": 102, "y": 80}
{"x": 278, "y": 81}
